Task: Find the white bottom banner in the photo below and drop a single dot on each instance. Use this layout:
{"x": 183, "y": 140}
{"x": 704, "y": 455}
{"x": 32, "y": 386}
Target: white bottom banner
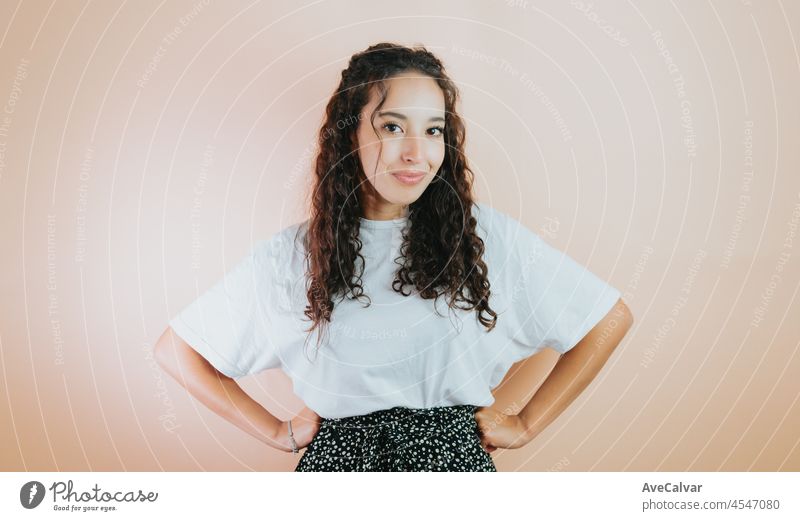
{"x": 601, "y": 495}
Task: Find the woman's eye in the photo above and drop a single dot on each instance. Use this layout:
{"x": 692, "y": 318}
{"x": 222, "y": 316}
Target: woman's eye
{"x": 386, "y": 126}
{"x": 389, "y": 126}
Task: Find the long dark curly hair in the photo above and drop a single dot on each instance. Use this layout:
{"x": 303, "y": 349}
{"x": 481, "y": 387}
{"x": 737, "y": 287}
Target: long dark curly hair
{"x": 441, "y": 254}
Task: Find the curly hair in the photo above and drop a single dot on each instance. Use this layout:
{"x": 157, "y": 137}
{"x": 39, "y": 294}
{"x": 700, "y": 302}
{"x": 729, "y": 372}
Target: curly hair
{"x": 440, "y": 253}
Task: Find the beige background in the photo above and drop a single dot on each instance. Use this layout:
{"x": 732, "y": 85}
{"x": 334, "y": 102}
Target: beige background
{"x": 145, "y": 146}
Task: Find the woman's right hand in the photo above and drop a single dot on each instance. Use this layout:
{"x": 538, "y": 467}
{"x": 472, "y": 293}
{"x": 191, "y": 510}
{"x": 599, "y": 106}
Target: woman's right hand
{"x": 304, "y": 427}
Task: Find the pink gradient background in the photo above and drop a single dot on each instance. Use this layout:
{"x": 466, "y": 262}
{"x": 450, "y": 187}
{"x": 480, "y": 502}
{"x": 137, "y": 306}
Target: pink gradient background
{"x": 133, "y": 176}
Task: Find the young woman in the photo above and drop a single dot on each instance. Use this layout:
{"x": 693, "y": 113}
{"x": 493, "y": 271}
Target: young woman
{"x": 400, "y": 303}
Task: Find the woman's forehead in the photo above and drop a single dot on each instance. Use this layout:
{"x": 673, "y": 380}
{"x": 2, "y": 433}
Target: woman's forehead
{"x": 414, "y": 97}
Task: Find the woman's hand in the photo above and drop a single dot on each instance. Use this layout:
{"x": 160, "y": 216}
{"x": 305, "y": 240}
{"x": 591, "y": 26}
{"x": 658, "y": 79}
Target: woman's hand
{"x": 304, "y": 427}
{"x": 499, "y": 429}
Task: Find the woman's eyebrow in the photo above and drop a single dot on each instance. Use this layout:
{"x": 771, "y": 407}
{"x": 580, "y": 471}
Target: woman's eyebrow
{"x": 401, "y": 116}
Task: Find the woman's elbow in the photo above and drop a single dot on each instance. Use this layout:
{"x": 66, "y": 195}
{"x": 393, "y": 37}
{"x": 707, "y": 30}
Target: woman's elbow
{"x": 626, "y": 317}
{"x": 613, "y": 328}
{"x": 164, "y": 350}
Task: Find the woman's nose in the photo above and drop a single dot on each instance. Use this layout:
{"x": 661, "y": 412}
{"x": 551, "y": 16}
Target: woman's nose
{"x": 412, "y": 149}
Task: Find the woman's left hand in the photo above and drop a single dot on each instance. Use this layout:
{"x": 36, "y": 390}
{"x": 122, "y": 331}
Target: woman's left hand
{"x": 499, "y": 429}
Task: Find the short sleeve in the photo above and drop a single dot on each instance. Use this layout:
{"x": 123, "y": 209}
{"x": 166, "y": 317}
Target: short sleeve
{"x": 227, "y": 323}
{"x": 554, "y": 301}
{"x": 566, "y": 299}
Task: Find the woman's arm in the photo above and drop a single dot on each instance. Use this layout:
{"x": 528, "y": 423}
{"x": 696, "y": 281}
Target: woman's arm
{"x": 574, "y": 371}
{"x": 223, "y": 395}
{"x": 569, "y": 377}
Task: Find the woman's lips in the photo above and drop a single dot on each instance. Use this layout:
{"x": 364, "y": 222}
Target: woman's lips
{"x": 409, "y": 178}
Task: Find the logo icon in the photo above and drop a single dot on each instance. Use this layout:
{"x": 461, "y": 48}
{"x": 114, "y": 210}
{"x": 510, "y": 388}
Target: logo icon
{"x": 31, "y": 494}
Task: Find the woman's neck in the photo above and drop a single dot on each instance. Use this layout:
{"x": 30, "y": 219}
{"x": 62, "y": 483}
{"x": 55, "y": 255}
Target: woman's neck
{"x": 381, "y": 210}
{"x": 386, "y": 213}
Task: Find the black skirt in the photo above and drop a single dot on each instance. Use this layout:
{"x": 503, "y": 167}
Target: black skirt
{"x": 399, "y": 439}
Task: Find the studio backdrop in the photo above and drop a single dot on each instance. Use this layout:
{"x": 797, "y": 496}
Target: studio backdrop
{"x": 146, "y": 146}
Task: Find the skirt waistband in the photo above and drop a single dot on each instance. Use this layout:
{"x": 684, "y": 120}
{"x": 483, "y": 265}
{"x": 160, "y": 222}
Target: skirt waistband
{"x": 405, "y": 415}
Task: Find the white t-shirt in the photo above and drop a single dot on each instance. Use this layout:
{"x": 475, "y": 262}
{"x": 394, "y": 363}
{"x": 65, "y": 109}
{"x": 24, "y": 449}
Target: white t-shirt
{"x": 397, "y": 351}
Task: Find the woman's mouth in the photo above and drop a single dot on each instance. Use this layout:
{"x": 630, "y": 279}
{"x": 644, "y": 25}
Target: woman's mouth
{"x": 409, "y": 177}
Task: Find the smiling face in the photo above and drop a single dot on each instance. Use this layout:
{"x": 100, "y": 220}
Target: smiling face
{"x": 407, "y": 138}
